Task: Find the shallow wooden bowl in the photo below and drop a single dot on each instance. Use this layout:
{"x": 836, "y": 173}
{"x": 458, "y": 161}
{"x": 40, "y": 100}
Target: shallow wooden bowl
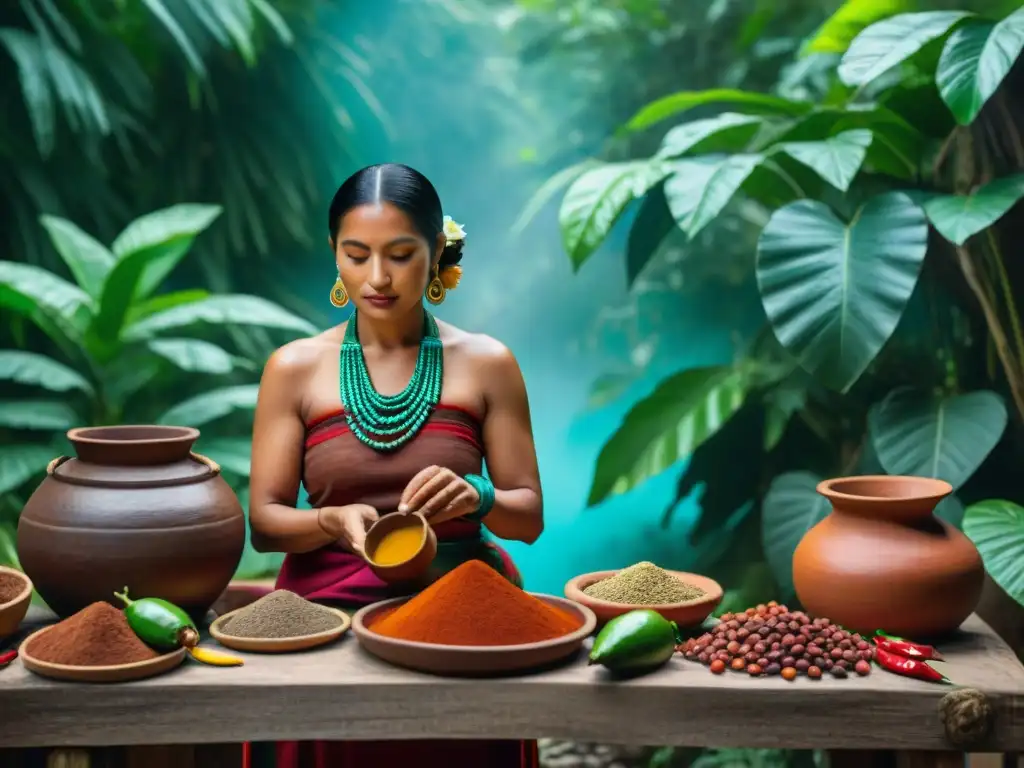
{"x": 415, "y": 566}
{"x": 115, "y": 673}
{"x": 472, "y": 660}
{"x": 686, "y": 614}
{"x": 278, "y": 644}
{"x": 12, "y": 613}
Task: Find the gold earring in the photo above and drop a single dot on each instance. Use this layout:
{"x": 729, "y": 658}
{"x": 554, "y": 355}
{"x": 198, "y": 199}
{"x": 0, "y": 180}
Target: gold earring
{"x": 435, "y": 289}
{"x": 339, "y": 296}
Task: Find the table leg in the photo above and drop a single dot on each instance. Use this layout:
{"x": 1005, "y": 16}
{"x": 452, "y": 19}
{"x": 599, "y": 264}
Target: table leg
{"x": 861, "y": 758}
{"x": 931, "y": 760}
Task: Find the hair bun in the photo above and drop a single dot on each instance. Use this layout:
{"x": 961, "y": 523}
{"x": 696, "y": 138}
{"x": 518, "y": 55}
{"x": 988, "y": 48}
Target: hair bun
{"x": 452, "y": 253}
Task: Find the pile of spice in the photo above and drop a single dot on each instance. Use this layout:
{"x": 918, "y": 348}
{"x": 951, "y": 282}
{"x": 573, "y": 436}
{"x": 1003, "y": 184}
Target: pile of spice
{"x": 96, "y": 636}
{"x": 475, "y": 605}
{"x": 10, "y": 587}
{"x": 279, "y": 615}
{"x": 772, "y": 640}
{"x": 643, "y": 584}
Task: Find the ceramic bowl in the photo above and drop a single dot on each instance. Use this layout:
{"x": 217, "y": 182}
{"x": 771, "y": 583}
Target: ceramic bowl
{"x": 472, "y": 660}
{"x": 278, "y": 644}
{"x": 686, "y": 614}
{"x": 114, "y": 673}
{"x": 13, "y": 613}
{"x": 415, "y": 566}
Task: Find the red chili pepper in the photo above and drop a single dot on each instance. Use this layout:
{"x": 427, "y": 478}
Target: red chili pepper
{"x": 7, "y": 658}
{"x": 901, "y": 665}
{"x": 906, "y": 648}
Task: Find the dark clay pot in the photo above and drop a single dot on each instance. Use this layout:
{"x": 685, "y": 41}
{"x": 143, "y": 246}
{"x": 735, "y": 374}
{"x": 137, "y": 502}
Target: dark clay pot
{"x": 137, "y": 508}
{"x": 883, "y": 560}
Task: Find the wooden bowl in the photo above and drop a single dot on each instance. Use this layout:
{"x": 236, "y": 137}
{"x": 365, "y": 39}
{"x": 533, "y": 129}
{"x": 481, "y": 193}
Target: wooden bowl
{"x": 415, "y": 566}
{"x": 686, "y": 614}
{"x": 278, "y": 644}
{"x": 472, "y": 660}
{"x": 114, "y": 673}
{"x": 13, "y": 613}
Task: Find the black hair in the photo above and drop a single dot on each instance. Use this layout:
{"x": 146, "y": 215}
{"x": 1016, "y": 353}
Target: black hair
{"x": 406, "y": 189}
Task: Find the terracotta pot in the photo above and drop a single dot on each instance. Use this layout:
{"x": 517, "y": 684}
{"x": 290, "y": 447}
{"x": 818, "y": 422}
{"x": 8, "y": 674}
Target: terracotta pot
{"x": 137, "y": 508}
{"x": 883, "y": 560}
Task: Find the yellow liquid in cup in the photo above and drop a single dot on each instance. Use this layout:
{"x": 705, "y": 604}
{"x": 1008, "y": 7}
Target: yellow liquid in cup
{"x": 399, "y": 545}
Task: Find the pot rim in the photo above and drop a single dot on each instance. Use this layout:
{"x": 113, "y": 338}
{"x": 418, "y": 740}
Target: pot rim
{"x": 171, "y": 434}
{"x": 940, "y": 489}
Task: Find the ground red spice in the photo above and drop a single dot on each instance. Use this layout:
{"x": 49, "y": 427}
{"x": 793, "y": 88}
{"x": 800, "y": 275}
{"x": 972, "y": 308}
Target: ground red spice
{"x": 475, "y": 605}
{"x": 96, "y": 636}
{"x": 10, "y": 587}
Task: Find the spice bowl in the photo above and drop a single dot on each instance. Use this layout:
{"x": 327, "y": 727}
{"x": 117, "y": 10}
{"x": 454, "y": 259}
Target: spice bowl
{"x": 417, "y": 563}
{"x": 277, "y": 644}
{"x": 686, "y": 614}
{"x": 472, "y": 660}
{"x": 113, "y": 673}
{"x": 12, "y": 613}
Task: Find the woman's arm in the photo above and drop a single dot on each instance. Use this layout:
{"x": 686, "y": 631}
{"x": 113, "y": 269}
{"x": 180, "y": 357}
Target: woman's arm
{"x": 511, "y": 457}
{"x": 278, "y": 437}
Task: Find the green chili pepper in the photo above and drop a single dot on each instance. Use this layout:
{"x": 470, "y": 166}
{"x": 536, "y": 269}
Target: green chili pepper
{"x": 158, "y": 622}
{"x": 636, "y": 641}
{"x": 165, "y": 626}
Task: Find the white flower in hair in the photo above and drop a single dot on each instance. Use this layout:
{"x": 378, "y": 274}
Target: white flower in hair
{"x": 453, "y": 232}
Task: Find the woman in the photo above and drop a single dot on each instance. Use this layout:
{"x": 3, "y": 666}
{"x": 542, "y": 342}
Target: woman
{"x": 421, "y": 404}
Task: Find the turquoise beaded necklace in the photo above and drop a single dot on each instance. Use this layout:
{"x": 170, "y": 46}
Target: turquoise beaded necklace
{"x": 387, "y": 422}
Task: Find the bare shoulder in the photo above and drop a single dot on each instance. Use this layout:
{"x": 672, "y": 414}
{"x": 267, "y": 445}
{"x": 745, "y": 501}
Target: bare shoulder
{"x": 298, "y": 359}
{"x": 478, "y": 349}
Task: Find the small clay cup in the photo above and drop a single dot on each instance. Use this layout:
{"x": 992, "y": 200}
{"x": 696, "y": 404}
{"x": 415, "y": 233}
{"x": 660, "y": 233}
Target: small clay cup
{"x": 414, "y": 567}
{"x": 12, "y": 613}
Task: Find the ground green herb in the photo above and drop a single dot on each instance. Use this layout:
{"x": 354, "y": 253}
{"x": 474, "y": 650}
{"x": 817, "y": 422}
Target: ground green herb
{"x": 643, "y": 584}
{"x": 281, "y": 614}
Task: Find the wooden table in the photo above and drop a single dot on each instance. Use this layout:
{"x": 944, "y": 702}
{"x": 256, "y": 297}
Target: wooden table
{"x": 341, "y": 692}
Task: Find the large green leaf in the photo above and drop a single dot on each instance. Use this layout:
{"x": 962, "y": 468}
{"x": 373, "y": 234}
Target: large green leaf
{"x": 727, "y": 132}
{"x": 653, "y": 223}
{"x": 43, "y": 415}
{"x": 951, "y": 509}
{"x": 960, "y": 217}
{"x": 944, "y": 438}
{"x": 670, "y": 424}
{"x": 88, "y": 259}
{"x": 547, "y": 191}
{"x": 975, "y": 61}
{"x": 147, "y": 250}
{"x": 234, "y": 454}
{"x": 888, "y": 43}
{"x": 219, "y": 310}
{"x": 700, "y": 188}
{"x": 678, "y": 103}
{"x": 853, "y": 16}
{"x": 209, "y": 406}
{"x": 836, "y": 159}
{"x": 194, "y": 355}
{"x": 790, "y": 509}
{"x": 45, "y": 299}
{"x": 997, "y": 529}
{"x": 834, "y": 292}
{"x": 596, "y": 200}
{"x": 37, "y": 370}
{"x": 20, "y": 463}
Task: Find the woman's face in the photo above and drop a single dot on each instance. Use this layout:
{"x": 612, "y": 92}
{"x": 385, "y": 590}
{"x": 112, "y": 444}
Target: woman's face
{"x": 383, "y": 260}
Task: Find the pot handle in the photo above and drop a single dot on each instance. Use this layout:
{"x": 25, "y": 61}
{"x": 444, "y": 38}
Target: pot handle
{"x": 212, "y": 465}
{"x": 52, "y": 466}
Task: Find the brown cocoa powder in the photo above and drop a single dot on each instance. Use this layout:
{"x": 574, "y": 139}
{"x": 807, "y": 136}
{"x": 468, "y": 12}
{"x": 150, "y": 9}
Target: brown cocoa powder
{"x": 96, "y": 636}
{"x": 10, "y": 587}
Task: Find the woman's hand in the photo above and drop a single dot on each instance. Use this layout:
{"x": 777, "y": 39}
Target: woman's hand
{"x": 439, "y": 494}
{"x": 349, "y": 524}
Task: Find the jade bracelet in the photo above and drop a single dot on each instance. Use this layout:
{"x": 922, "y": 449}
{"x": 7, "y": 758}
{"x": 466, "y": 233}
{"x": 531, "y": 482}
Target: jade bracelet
{"x": 485, "y": 489}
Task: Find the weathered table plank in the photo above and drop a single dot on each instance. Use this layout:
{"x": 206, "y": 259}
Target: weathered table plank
{"x": 341, "y": 692}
